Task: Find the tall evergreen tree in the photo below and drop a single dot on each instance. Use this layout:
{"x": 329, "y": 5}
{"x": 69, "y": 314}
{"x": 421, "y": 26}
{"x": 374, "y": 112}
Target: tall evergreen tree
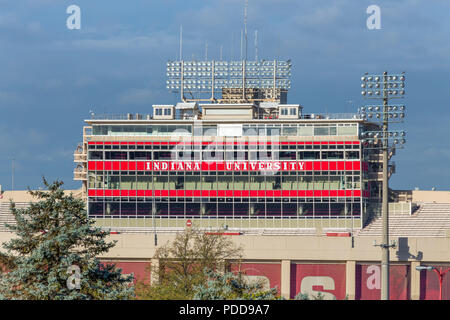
{"x": 55, "y": 253}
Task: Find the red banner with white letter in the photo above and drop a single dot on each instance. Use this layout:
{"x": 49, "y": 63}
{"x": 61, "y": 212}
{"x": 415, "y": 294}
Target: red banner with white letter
{"x": 268, "y": 274}
{"x": 368, "y": 282}
{"x": 318, "y": 280}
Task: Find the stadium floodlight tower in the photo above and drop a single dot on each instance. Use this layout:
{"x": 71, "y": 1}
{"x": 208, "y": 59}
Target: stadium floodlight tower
{"x": 384, "y": 87}
{"x": 206, "y": 80}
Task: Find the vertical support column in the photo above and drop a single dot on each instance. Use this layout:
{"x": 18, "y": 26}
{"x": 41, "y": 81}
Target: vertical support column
{"x": 385, "y": 200}
{"x": 286, "y": 279}
{"x": 182, "y": 80}
{"x": 415, "y": 280}
{"x": 202, "y": 208}
{"x": 274, "y": 79}
{"x": 252, "y": 209}
{"x": 350, "y": 279}
{"x": 300, "y": 209}
{"x": 154, "y": 268}
{"x": 243, "y": 80}
{"x": 212, "y": 80}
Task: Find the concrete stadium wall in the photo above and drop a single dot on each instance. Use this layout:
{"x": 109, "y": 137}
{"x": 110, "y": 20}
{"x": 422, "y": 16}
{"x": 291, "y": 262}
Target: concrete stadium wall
{"x": 430, "y": 196}
{"x": 338, "y": 267}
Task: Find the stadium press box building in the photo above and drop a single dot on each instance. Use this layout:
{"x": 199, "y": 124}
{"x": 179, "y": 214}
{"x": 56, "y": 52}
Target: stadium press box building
{"x": 228, "y": 165}
{"x": 246, "y": 160}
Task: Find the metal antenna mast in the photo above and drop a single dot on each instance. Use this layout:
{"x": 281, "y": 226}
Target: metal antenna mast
{"x": 181, "y": 43}
{"x": 12, "y": 176}
{"x": 256, "y": 45}
{"x": 245, "y": 27}
{"x": 242, "y": 45}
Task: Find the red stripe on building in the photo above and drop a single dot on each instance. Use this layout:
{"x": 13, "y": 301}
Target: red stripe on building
{"x": 224, "y": 166}
{"x": 226, "y": 193}
{"x": 220, "y": 142}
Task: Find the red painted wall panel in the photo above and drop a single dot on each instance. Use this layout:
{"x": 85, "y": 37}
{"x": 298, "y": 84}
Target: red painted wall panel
{"x": 141, "y": 270}
{"x": 429, "y": 285}
{"x": 270, "y": 270}
{"x": 368, "y": 282}
{"x": 328, "y": 279}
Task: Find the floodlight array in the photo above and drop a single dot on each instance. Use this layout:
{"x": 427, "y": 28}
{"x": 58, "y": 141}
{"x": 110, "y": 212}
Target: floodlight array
{"x": 204, "y": 76}
{"x": 397, "y": 137}
{"x": 394, "y": 112}
{"x": 381, "y": 86}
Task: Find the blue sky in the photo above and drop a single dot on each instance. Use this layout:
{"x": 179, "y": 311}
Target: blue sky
{"x": 51, "y": 77}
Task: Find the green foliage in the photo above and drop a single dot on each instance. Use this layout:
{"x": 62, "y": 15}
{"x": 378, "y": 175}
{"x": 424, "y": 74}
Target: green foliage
{"x": 50, "y": 236}
{"x": 320, "y": 296}
{"x": 301, "y": 296}
{"x": 182, "y": 264}
{"x": 170, "y": 289}
{"x": 230, "y": 286}
{"x": 6, "y": 262}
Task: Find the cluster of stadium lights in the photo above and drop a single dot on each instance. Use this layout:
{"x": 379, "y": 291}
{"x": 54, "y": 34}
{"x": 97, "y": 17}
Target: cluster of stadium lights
{"x": 378, "y": 85}
{"x": 376, "y": 137}
{"x": 202, "y": 76}
{"x": 383, "y": 87}
{"x": 395, "y": 112}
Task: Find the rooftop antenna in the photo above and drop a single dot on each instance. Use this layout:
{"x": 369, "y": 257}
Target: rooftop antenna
{"x": 12, "y": 178}
{"x": 256, "y": 45}
{"x": 245, "y": 27}
{"x": 232, "y": 47}
{"x": 181, "y": 42}
{"x": 221, "y": 48}
{"x": 278, "y": 46}
{"x": 206, "y": 50}
{"x": 242, "y": 39}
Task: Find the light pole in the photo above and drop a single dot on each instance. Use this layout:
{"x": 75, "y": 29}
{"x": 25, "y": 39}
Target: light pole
{"x": 441, "y": 274}
{"x": 12, "y": 178}
{"x": 384, "y": 87}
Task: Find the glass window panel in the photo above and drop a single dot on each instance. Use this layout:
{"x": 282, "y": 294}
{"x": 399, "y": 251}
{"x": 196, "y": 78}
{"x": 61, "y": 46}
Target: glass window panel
{"x": 305, "y": 130}
{"x": 113, "y": 182}
{"x": 144, "y": 183}
{"x": 289, "y": 131}
{"x": 332, "y": 130}
{"x": 351, "y": 130}
{"x": 128, "y": 182}
{"x": 332, "y": 155}
{"x": 95, "y": 155}
{"x": 352, "y": 154}
{"x": 321, "y": 130}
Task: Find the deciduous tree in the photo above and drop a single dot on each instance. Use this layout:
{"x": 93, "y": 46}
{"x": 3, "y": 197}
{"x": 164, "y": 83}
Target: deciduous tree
{"x": 182, "y": 263}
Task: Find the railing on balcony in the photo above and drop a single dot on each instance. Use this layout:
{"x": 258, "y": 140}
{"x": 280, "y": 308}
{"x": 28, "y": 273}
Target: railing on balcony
{"x": 311, "y": 116}
{"x": 272, "y": 225}
{"x": 79, "y": 156}
{"x": 122, "y": 116}
{"x": 80, "y": 173}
